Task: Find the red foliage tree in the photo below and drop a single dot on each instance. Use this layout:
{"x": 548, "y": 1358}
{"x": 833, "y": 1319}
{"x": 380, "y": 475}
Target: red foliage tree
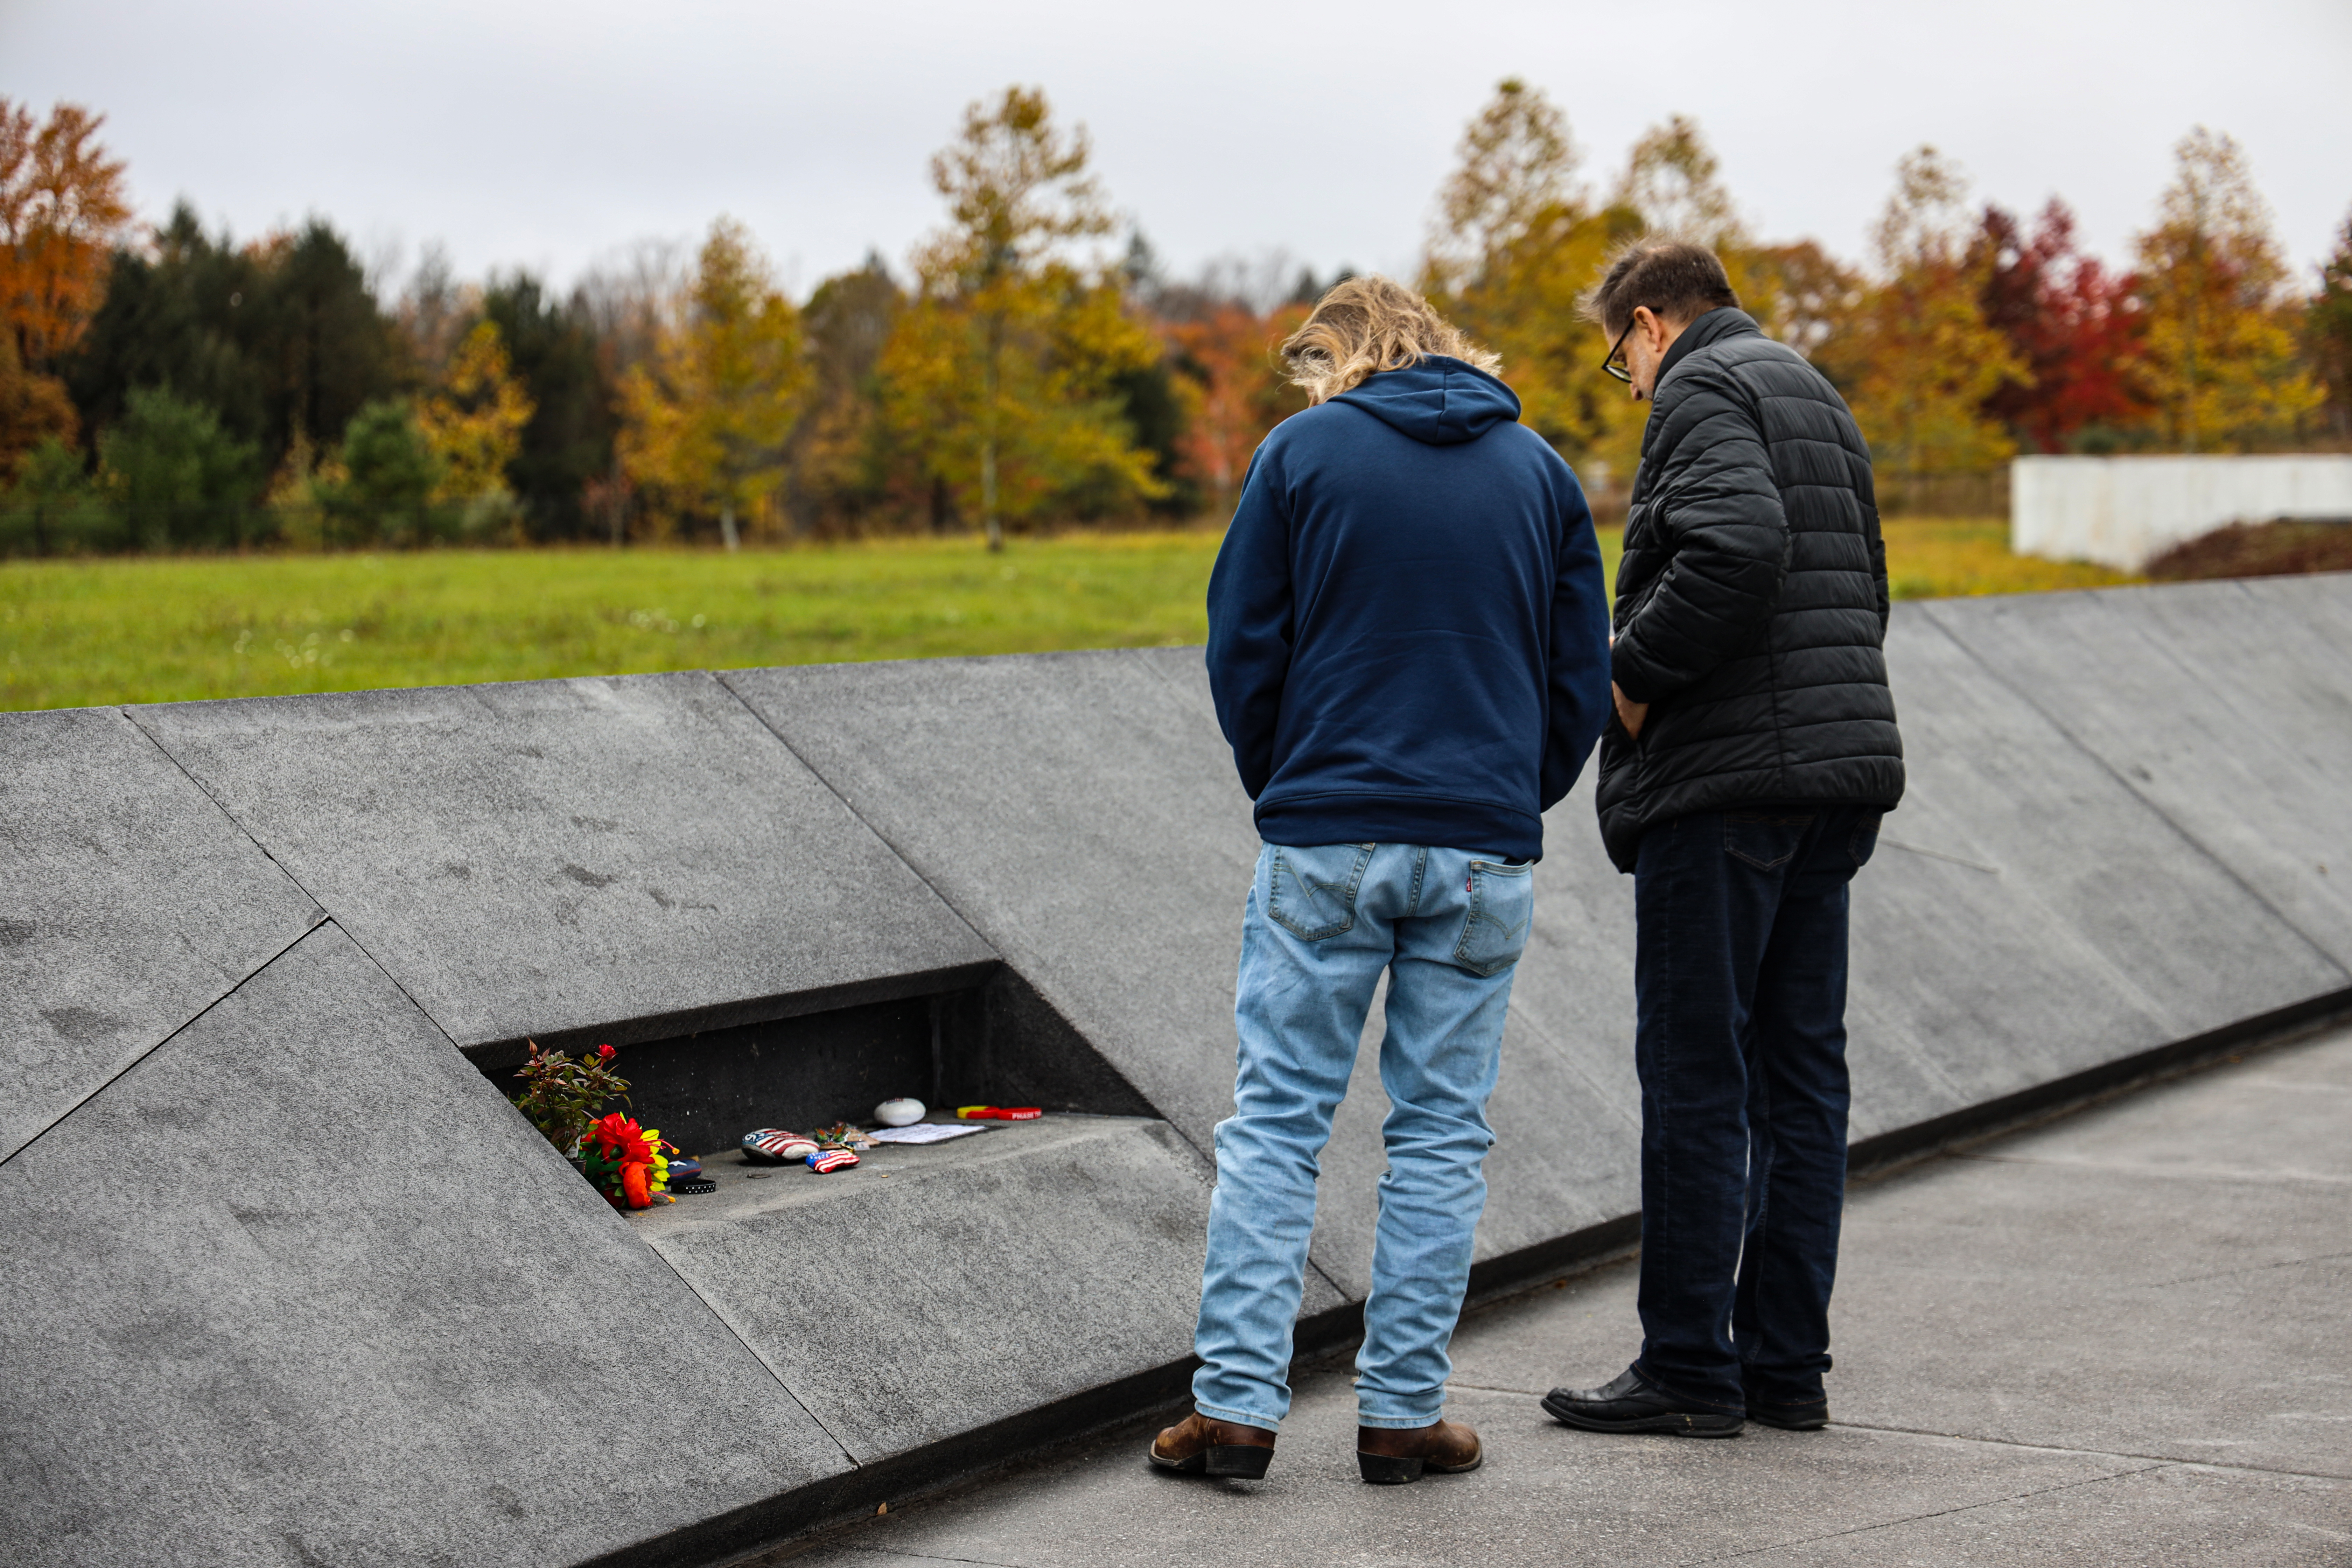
{"x": 1224, "y": 351}
{"x": 2076, "y": 325}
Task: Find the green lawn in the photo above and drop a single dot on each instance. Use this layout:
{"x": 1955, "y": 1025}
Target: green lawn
{"x": 160, "y": 630}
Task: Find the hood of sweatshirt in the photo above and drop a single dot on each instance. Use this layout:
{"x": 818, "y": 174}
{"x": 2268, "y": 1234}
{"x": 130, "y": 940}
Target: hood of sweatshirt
{"x": 1440, "y": 401}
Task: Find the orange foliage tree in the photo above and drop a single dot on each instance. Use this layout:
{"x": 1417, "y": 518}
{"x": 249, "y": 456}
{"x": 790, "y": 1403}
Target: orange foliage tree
{"x": 1224, "y": 356}
{"x": 62, "y": 207}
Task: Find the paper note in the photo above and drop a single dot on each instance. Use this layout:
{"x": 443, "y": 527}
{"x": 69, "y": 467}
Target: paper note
{"x": 922, "y": 1132}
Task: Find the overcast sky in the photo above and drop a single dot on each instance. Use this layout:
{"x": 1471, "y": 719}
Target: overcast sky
{"x": 539, "y": 134}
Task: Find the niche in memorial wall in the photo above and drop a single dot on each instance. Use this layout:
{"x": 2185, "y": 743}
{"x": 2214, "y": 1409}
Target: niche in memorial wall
{"x": 997, "y": 1043}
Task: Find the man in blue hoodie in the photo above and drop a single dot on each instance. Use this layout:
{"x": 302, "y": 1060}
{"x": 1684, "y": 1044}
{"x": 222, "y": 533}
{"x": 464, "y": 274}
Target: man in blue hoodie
{"x": 1409, "y": 649}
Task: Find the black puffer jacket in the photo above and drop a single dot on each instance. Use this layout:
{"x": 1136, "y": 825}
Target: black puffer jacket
{"x": 1751, "y": 601}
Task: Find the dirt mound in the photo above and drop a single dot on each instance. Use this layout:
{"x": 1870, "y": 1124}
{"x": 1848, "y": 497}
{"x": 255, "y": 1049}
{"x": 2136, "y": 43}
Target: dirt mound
{"x": 2282, "y": 549}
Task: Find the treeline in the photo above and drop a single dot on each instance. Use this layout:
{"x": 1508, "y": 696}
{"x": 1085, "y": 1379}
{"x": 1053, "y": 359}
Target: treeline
{"x": 181, "y": 390}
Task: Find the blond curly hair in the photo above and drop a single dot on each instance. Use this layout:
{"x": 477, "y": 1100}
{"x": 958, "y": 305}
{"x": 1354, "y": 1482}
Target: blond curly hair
{"x": 1366, "y": 325}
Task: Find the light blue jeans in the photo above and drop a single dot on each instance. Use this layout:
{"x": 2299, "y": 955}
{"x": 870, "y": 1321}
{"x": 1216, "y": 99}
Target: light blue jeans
{"x": 1321, "y": 925}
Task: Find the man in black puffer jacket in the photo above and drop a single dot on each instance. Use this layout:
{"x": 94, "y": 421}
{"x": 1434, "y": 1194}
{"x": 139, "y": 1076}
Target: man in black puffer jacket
{"x": 1754, "y": 751}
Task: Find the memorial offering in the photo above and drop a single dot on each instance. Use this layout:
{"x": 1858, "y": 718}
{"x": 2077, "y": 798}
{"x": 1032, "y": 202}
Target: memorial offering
{"x": 627, "y": 1162}
{"x": 844, "y": 1135}
{"x": 899, "y": 1112}
{"x": 927, "y": 1132}
{"x": 999, "y": 1112}
{"x": 773, "y": 1145}
{"x": 561, "y": 1097}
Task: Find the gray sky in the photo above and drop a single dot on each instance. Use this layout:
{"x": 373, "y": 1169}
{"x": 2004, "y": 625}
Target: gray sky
{"x": 545, "y": 134}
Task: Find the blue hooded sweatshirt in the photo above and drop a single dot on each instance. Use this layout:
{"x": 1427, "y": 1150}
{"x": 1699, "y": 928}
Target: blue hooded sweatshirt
{"x": 1408, "y": 633}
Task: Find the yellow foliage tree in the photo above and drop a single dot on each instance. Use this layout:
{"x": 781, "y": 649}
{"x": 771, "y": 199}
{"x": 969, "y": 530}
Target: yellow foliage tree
{"x": 1002, "y": 372}
{"x": 2220, "y": 361}
{"x": 1671, "y": 179}
{"x": 1923, "y": 357}
{"x": 709, "y": 423}
{"x": 474, "y": 423}
{"x": 1515, "y": 242}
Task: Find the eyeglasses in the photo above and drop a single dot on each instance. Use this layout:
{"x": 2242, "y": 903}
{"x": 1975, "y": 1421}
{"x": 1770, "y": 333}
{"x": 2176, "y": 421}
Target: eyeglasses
{"x": 1615, "y": 366}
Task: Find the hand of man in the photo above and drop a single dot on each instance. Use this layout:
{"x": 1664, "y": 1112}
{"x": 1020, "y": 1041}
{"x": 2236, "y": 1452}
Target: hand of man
{"x": 1629, "y": 713}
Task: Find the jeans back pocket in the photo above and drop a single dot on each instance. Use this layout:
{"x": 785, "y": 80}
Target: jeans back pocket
{"x": 1502, "y": 906}
{"x": 1865, "y": 838}
{"x": 1767, "y": 840}
{"x": 1311, "y": 892}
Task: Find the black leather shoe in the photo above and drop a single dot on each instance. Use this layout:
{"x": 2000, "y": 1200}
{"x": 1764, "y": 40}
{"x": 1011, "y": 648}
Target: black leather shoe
{"x": 1635, "y": 1404}
{"x": 1803, "y": 1415}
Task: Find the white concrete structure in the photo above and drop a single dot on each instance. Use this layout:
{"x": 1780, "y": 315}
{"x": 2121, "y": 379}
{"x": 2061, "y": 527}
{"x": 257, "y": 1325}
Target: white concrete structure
{"x": 2125, "y": 511}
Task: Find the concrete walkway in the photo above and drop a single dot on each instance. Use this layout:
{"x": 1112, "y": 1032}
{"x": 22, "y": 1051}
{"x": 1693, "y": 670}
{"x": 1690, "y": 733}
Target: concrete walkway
{"x": 2122, "y": 1338}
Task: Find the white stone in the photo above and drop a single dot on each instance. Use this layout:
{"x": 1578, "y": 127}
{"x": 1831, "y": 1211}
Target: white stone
{"x": 899, "y": 1112}
{"x": 2125, "y": 511}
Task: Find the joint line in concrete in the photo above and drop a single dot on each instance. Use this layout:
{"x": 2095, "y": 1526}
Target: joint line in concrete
{"x": 130, "y": 1066}
{"x": 2155, "y": 809}
{"x": 764, "y": 1363}
{"x": 908, "y": 860}
{"x": 2153, "y": 1461}
{"x": 1941, "y": 1513}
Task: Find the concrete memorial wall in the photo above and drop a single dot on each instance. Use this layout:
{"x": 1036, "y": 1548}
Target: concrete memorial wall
{"x": 289, "y": 1281}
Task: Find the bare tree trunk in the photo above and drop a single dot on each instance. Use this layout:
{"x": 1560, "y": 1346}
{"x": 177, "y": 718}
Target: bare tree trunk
{"x": 726, "y": 528}
{"x": 987, "y": 493}
{"x": 988, "y": 441}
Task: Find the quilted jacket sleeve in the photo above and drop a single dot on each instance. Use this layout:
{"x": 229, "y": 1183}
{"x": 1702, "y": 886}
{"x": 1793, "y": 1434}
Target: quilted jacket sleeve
{"x": 1717, "y": 514}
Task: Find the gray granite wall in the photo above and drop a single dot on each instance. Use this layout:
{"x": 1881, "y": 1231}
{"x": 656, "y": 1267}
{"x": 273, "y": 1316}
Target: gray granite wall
{"x": 291, "y": 1282}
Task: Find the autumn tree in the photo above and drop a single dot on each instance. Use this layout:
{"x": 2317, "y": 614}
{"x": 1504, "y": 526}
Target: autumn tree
{"x": 1671, "y": 179}
{"x": 2074, "y": 326}
{"x": 708, "y": 419}
{"x": 1806, "y": 297}
{"x": 35, "y": 410}
{"x": 1224, "y": 355}
{"x": 2221, "y": 352}
{"x": 474, "y": 424}
{"x": 62, "y": 205}
{"x": 1924, "y": 357}
{"x": 2327, "y": 328}
{"x": 1515, "y": 242}
{"x": 1004, "y": 372}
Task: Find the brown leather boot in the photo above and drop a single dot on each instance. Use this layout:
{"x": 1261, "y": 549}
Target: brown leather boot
{"x": 1391, "y": 1455}
{"x": 1197, "y": 1445}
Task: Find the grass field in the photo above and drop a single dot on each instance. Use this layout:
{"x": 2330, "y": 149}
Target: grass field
{"x": 147, "y": 630}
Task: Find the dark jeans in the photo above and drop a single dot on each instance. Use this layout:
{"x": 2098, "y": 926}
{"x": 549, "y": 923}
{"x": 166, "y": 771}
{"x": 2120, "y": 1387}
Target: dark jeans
{"x": 1740, "y": 982}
